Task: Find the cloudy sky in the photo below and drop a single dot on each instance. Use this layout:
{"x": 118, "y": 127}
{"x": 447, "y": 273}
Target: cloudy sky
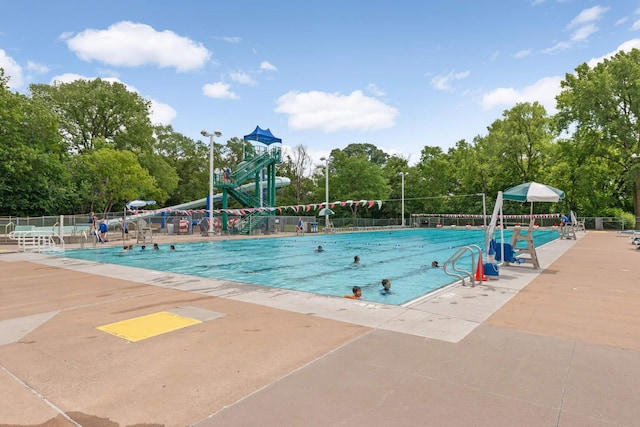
{"x": 399, "y": 74}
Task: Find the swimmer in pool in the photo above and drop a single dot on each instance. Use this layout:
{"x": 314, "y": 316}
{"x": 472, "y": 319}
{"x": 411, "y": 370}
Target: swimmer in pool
{"x": 319, "y": 249}
{"x": 357, "y": 293}
{"x": 356, "y": 259}
{"x": 386, "y": 286}
{"x": 435, "y": 264}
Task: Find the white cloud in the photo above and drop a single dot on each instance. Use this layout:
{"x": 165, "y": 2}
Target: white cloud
{"x": 621, "y": 21}
{"x": 242, "y": 78}
{"x": 583, "y": 26}
{"x": 159, "y": 113}
{"x": 332, "y": 112}
{"x": 588, "y": 15}
{"x": 544, "y": 91}
{"x": 443, "y": 81}
{"x": 624, "y": 47}
{"x": 12, "y": 70}
{"x": 218, "y": 90}
{"x": 373, "y": 89}
{"x": 636, "y": 25}
{"x": 584, "y": 32}
{"x": 232, "y": 40}
{"x": 523, "y": 53}
{"x": 557, "y": 46}
{"x": 130, "y": 44}
{"x": 267, "y": 66}
{"x": 37, "y": 68}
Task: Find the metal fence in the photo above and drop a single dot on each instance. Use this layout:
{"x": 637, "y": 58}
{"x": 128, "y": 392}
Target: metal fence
{"x": 175, "y": 223}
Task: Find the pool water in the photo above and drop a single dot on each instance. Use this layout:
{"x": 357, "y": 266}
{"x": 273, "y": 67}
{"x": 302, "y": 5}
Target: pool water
{"x": 402, "y": 256}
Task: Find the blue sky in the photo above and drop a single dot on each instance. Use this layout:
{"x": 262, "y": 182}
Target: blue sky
{"x": 399, "y": 74}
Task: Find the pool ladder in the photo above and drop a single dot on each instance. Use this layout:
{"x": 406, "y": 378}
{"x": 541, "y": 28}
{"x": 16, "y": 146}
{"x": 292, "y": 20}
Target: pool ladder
{"x": 451, "y": 267}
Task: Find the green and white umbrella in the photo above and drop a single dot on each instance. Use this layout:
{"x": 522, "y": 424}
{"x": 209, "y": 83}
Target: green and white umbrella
{"x": 325, "y": 211}
{"x": 533, "y": 192}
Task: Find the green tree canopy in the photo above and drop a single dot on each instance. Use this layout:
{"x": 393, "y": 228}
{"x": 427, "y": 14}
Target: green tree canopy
{"x": 90, "y": 109}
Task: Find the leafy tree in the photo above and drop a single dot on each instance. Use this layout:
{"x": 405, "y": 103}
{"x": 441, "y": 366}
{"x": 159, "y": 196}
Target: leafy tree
{"x": 369, "y": 151}
{"x": 435, "y": 180}
{"x": 600, "y": 106}
{"x": 112, "y": 178}
{"x": 90, "y": 109}
{"x": 356, "y": 178}
{"x": 33, "y": 179}
{"x": 392, "y": 169}
{"x": 295, "y": 166}
{"x": 190, "y": 161}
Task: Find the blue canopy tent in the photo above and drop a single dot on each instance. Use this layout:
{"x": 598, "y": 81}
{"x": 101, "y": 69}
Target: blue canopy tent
{"x": 262, "y": 135}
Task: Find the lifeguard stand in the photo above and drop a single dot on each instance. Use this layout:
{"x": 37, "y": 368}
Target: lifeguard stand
{"x": 527, "y": 253}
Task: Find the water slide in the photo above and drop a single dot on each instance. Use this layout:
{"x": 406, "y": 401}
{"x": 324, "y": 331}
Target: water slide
{"x": 280, "y": 182}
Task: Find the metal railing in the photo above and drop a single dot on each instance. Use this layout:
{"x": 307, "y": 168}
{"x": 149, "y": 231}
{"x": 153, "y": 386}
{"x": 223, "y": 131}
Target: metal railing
{"x": 451, "y": 267}
{"x": 36, "y": 241}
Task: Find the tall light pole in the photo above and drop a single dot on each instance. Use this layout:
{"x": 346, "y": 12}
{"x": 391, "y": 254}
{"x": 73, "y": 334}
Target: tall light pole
{"x": 403, "y": 174}
{"x": 211, "y": 135}
{"x": 326, "y": 192}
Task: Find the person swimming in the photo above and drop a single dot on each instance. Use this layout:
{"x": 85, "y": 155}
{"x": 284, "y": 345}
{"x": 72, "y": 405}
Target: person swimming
{"x": 357, "y": 293}
{"x": 435, "y": 264}
{"x": 319, "y": 249}
{"x": 356, "y": 259}
{"x": 386, "y": 286}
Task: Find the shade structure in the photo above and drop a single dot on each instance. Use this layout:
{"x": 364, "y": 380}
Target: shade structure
{"x": 135, "y": 204}
{"x": 533, "y": 192}
{"x": 262, "y": 135}
{"x": 325, "y": 211}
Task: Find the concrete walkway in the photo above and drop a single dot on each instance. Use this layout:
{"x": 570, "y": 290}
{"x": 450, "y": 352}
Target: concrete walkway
{"x": 554, "y": 347}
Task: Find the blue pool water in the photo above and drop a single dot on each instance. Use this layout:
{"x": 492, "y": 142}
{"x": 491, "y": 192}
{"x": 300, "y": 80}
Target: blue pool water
{"x": 402, "y": 256}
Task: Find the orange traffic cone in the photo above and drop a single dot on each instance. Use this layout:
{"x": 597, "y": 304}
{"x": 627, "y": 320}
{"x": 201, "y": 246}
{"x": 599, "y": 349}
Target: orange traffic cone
{"x": 480, "y": 271}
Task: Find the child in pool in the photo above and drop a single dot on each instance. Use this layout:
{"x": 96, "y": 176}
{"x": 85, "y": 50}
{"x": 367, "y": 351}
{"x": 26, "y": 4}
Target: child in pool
{"x": 357, "y": 293}
{"x": 386, "y": 286}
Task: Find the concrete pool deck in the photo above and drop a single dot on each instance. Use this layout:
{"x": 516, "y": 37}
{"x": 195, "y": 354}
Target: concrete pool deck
{"x": 559, "y": 346}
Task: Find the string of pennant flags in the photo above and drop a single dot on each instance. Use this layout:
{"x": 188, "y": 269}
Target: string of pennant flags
{"x": 280, "y": 209}
{"x": 473, "y": 216}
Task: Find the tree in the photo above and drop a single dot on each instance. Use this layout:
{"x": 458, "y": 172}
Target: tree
{"x": 356, "y": 178}
{"x": 112, "y": 178}
{"x": 190, "y": 161}
{"x": 369, "y": 151}
{"x": 600, "y": 106}
{"x": 33, "y": 177}
{"x": 296, "y": 166}
{"x": 90, "y": 109}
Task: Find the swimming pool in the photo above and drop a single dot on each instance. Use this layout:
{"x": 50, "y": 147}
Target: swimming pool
{"x": 402, "y": 256}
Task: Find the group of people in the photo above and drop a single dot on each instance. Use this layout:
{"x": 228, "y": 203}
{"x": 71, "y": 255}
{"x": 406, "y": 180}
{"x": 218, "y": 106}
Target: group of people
{"x": 357, "y": 290}
{"x": 386, "y": 283}
{"x": 126, "y": 248}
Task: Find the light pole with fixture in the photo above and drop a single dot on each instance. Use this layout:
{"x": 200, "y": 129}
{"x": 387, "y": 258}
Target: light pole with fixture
{"x": 326, "y": 192}
{"x": 211, "y": 135}
{"x": 403, "y": 174}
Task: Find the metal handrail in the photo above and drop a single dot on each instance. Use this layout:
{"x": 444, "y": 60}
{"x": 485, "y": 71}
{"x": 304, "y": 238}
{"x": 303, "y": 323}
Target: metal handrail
{"x": 458, "y": 271}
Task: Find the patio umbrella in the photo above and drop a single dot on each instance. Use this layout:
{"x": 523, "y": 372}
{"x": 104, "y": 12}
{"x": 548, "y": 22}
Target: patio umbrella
{"x": 325, "y": 211}
{"x": 533, "y": 192}
{"x": 135, "y": 204}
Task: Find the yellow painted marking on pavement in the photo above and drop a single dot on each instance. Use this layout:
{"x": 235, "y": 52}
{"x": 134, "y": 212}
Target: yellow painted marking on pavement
{"x": 148, "y": 326}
